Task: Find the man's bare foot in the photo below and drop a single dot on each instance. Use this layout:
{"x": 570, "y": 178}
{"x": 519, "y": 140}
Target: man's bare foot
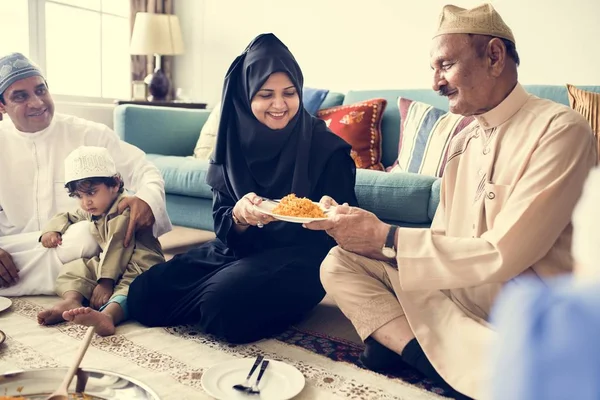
{"x": 54, "y": 315}
{"x": 86, "y": 316}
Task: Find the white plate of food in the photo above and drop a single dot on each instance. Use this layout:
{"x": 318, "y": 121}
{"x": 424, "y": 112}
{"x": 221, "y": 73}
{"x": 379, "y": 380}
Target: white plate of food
{"x": 281, "y": 381}
{"x": 294, "y": 209}
{"x": 4, "y": 303}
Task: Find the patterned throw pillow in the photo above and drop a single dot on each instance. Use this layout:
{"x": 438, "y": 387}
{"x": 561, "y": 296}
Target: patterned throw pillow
{"x": 587, "y": 104}
{"x": 208, "y": 135}
{"x": 425, "y": 134}
{"x": 359, "y": 124}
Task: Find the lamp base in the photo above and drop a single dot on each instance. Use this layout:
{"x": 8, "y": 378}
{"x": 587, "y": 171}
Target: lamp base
{"x": 158, "y": 86}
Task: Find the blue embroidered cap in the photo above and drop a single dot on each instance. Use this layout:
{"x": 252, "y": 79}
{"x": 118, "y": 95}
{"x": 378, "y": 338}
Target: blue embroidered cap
{"x": 15, "y": 67}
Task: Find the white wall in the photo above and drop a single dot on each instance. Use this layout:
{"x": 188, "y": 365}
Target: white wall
{"x": 376, "y": 44}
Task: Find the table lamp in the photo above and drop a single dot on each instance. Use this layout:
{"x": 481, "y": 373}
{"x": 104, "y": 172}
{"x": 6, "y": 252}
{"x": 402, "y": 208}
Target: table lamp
{"x": 158, "y": 35}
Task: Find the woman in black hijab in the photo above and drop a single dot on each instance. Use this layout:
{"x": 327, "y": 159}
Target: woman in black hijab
{"x": 259, "y": 275}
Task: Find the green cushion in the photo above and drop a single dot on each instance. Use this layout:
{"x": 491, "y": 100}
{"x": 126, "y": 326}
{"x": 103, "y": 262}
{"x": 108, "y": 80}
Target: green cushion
{"x": 555, "y": 92}
{"x": 192, "y": 212}
{"x": 395, "y": 197}
{"x": 434, "y": 200}
{"x": 332, "y": 99}
{"x": 160, "y": 130}
{"x": 183, "y": 175}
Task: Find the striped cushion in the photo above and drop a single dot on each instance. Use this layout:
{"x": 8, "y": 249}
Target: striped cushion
{"x": 587, "y": 104}
{"x": 425, "y": 134}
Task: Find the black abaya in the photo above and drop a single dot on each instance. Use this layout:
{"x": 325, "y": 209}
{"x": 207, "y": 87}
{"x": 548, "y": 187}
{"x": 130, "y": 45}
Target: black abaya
{"x": 249, "y": 294}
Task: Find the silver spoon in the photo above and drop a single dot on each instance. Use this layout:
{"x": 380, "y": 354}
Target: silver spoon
{"x": 263, "y": 367}
{"x": 245, "y": 387}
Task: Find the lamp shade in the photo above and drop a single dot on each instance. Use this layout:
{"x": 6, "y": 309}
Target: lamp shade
{"x": 156, "y": 34}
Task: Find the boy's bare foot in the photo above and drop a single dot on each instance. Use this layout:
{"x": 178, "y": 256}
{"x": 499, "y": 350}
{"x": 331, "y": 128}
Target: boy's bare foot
{"x": 54, "y": 315}
{"x": 86, "y": 316}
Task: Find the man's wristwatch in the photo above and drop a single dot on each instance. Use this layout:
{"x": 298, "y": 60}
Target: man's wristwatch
{"x": 236, "y": 220}
{"x": 389, "y": 248}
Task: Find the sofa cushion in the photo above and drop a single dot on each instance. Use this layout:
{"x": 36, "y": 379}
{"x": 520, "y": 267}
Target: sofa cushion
{"x": 404, "y": 197}
{"x": 313, "y": 98}
{"x": 360, "y": 125}
{"x": 332, "y": 99}
{"x": 587, "y": 104}
{"x": 183, "y": 175}
{"x": 434, "y": 200}
{"x": 192, "y": 212}
{"x": 208, "y": 134}
{"x": 425, "y": 134}
{"x": 390, "y": 125}
{"x": 160, "y": 130}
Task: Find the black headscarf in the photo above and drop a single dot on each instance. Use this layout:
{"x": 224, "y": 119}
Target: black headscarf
{"x": 251, "y": 157}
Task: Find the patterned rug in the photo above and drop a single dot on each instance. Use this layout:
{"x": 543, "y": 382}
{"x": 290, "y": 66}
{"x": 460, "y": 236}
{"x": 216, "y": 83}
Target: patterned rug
{"x": 338, "y": 349}
{"x": 171, "y": 361}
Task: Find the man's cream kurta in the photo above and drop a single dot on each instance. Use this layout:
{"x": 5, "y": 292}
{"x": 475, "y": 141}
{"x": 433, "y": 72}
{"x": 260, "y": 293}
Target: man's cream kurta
{"x": 509, "y": 188}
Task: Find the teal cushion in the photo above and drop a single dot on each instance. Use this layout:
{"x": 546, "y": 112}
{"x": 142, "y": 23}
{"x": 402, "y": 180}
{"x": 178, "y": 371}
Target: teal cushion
{"x": 332, "y": 99}
{"x": 556, "y": 93}
{"x": 160, "y": 130}
{"x": 183, "y": 175}
{"x": 192, "y": 212}
{"x": 434, "y": 200}
{"x": 401, "y": 196}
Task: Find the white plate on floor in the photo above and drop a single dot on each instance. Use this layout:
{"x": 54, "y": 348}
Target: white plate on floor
{"x": 266, "y": 207}
{"x": 281, "y": 381}
{"x": 4, "y": 303}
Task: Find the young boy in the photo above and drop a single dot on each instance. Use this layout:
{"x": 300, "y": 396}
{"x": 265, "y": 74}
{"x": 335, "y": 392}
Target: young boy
{"x": 103, "y": 281}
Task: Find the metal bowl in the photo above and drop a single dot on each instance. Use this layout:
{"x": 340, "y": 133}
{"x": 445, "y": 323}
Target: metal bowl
{"x": 96, "y": 384}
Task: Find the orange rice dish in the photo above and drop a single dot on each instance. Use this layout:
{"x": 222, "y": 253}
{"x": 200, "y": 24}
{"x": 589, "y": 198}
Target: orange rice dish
{"x": 292, "y": 206}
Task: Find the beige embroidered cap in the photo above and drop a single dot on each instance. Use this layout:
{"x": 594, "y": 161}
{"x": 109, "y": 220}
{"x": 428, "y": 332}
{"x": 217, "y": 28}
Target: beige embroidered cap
{"x": 481, "y": 20}
{"x": 89, "y": 162}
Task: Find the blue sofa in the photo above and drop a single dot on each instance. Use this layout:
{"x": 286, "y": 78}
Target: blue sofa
{"x": 169, "y": 135}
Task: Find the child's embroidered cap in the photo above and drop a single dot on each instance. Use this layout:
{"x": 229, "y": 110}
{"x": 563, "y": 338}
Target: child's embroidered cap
{"x": 89, "y": 162}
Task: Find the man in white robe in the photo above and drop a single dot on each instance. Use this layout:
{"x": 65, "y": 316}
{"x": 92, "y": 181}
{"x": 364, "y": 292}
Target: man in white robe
{"x": 34, "y": 144}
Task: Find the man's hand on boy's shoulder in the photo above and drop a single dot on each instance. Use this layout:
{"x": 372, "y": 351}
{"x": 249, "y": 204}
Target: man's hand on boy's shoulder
{"x": 51, "y": 239}
{"x": 140, "y": 216}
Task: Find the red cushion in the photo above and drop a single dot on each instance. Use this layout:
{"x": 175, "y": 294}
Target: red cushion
{"x": 359, "y": 124}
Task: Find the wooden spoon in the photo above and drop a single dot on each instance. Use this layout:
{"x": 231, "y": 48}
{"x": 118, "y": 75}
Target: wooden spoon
{"x": 62, "y": 392}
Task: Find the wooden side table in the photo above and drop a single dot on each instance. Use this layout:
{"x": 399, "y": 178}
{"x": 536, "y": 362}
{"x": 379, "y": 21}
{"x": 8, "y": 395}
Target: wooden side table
{"x": 175, "y": 104}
